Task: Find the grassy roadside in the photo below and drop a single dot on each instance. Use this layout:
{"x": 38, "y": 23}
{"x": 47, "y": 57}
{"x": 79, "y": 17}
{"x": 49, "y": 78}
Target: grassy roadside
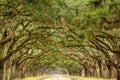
{"x": 73, "y": 77}
{"x": 35, "y": 78}
{"x": 89, "y": 78}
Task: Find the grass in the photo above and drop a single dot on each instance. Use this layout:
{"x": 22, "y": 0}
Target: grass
{"x": 89, "y": 78}
{"x": 35, "y": 78}
{"x": 75, "y": 77}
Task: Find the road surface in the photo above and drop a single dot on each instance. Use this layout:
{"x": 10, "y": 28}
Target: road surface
{"x": 58, "y": 77}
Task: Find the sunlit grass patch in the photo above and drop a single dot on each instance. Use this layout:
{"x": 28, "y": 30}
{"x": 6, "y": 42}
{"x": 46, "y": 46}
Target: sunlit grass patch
{"x": 90, "y": 78}
{"x": 33, "y": 78}
{"x": 36, "y": 78}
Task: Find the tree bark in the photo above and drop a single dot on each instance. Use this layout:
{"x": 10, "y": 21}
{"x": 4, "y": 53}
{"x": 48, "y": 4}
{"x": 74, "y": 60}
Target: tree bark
{"x": 118, "y": 73}
{"x": 8, "y": 70}
{"x": 14, "y": 71}
{"x": 1, "y": 71}
{"x": 109, "y": 71}
{"x": 94, "y": 72}
{"x": 23, "y": 73}
{"x": 83, "y": 72}
{"x": 100, "y": 69}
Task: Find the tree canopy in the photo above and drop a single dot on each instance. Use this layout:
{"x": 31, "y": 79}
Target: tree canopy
{"x": 76, "y": 37}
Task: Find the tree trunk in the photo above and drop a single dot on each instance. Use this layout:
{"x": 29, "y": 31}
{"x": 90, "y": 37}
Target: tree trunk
{"x": 94, "y": 72}
{"x": 14, "y": 71}
{"x": 23, "y": 72}
{"x": 109, "y": 71}
{"x": 68, "y": 72}
{"x": 22, "y": 75}
{"x": 8, "y": 77}
{"x": 86, "y": 73}
{"x": 83, "y": 72}
{"x": 1, "y": 71}
{"x": 8, "y": 70}
{"x": 100, "y": 69}
{"x": 118, "y": 73}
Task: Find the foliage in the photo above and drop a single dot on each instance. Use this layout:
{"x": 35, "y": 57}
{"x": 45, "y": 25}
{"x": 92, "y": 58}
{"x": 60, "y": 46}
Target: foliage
{"x": 60, "y": 33}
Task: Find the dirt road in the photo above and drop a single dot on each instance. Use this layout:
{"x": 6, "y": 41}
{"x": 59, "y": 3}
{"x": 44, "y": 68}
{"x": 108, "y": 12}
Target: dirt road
{"x": 58, "y": 77}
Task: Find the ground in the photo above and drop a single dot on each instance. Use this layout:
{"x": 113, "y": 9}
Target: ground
{"x": 58, "y": 77}
{"x": 62, "y": 77}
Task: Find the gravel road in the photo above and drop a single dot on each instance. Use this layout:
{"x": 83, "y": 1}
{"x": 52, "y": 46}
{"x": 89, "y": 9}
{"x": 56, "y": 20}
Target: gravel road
{"x": 58, "y": 77}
